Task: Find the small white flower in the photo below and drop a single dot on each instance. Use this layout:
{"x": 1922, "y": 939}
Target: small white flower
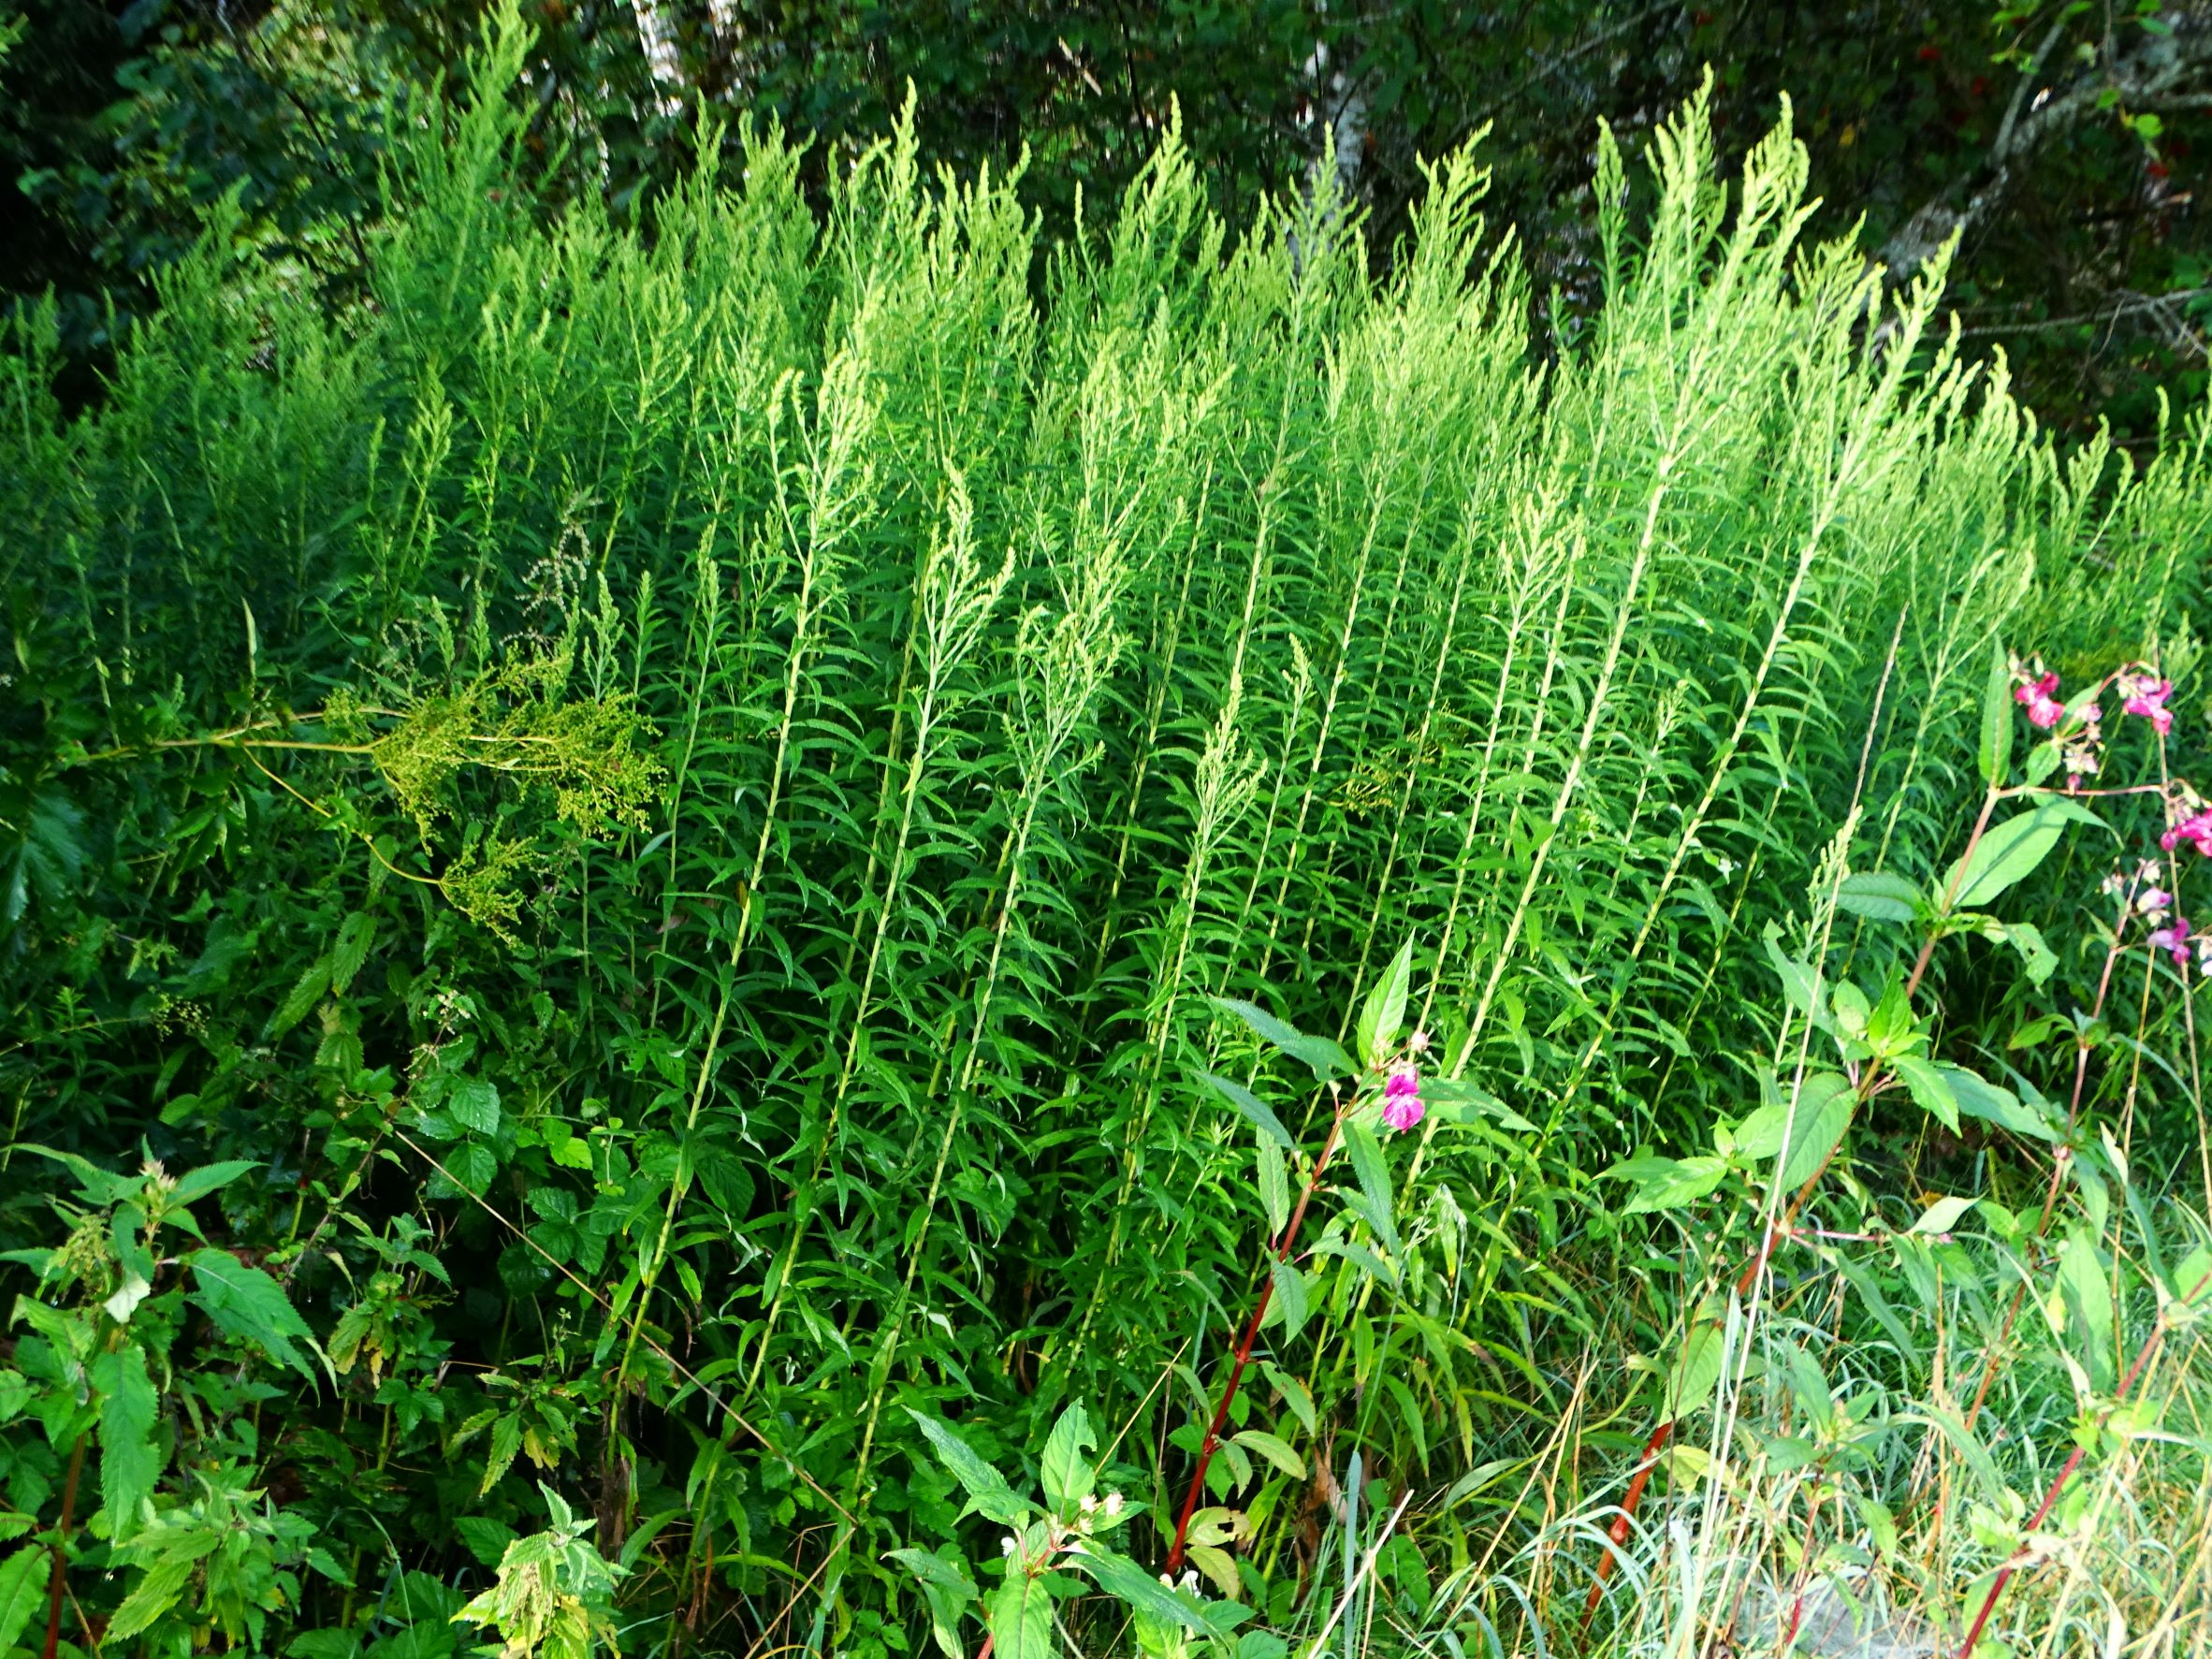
{"x": 1006, "y": 1545}
{"x": 1088, "y": 1504}
{"x": 1189, "y": 1580}
{"x": 1168, "y": 1582}
{"x": 1113, "y": 1502}
{"x": 1418, "y": 1042}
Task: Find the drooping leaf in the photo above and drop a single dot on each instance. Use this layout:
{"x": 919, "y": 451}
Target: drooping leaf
{"x": 947, "y": 1592}
{"x": 1274, "y": 1448}
{"x": 988, "y": 1494}
{"x": 2009, "y": 852}
{"x": 1930, "y": 1089}
{"x": 1375, "y": 1183}
{"x": 1290, "y": 1297}
{"x": 1064, "y": 1470}
{"x": 1668, "y": 1183}
{"x": 1256, "y": 1111}
{"x": 1323, "y": 1056}
{"x": 1130, "y": 1583}
{"x": 1879, "y": 895}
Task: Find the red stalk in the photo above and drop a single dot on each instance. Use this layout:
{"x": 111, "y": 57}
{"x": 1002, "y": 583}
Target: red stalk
{"x": 1619, "y": 1532}
{"x": 1244, "y": 1348}
{"x": 2065, "y": 1474}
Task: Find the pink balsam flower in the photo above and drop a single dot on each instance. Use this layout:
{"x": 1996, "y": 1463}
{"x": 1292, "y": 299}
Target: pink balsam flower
{"x": 2147, "y": 697}
{"x": 2174, "y": 941}
{"x": 2040, "y": 697}
{"x": 2196, "y": 829}
{"x": 1402, "y": 1098}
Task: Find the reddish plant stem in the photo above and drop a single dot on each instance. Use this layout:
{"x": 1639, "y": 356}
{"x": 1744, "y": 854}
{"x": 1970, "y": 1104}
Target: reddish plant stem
{"x": 2058, "y": 1486}
{"x": 1618, "y": 1533}
{"x": 61, "y": 1548}
{"x": 1780, "y": 1228}
{"x": 1244, "y": 1350}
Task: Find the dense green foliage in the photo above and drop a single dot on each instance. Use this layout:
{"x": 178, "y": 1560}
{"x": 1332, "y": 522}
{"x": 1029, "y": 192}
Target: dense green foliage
{"x": 2064, "y": 139}
{"x": 663, "y": 818}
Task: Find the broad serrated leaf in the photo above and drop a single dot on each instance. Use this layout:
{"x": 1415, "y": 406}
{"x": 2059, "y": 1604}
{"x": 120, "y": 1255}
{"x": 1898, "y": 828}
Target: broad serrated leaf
{"x": 356, "y": 938}
{"x": 475, "y": 1102}
{"x": 197, "y": 1184}
{"x": 245, "y": 1301}
{"x": 130, "y": 1462}
{"x": 299, "y": 1002}
{"x": 22, "y": 1576}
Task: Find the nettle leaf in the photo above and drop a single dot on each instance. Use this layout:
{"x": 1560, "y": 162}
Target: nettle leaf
{"x": 1383, "y": 1015}
{"x": 23, "y": 1579}
{"x": 1323, "y": 1056}
{"x": 1668, "y": 1183}
{"x": 988, "y": 1494}
{"x": 356, "y": 938}
{"x": 305, "y": 993}
{"x": 474, "y": 1103}
{"x": 1256, "y": 1111}
{"x": 246, "y": 1302}
{"x": 130, "y": 1462}
{"x": 1066, "y": 1474}
{"x": 2009, "y": 852}
{"x": 197, "y": 1184}
{"x": 1880, "y": 896}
